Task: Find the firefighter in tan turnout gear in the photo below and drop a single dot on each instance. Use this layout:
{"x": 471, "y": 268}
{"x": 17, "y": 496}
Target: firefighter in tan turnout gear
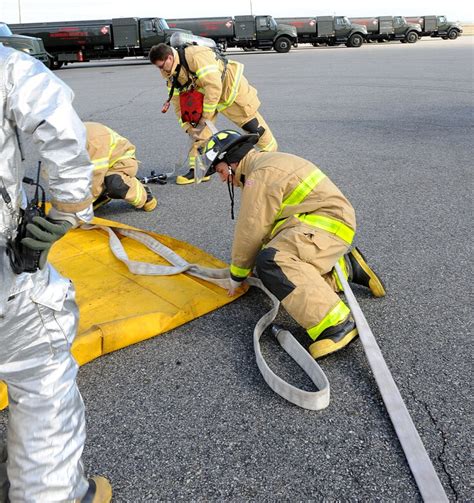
{"x": 223, "y": 89}
{"x": 294, "y": 225}
{"x": 115, "y": 169}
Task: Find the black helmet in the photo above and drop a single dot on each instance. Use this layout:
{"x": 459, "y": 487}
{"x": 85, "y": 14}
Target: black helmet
{"x": 217, "y": 148}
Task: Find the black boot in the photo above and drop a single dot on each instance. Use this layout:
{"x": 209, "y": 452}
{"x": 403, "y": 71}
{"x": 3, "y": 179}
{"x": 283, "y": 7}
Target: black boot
{"x": 361, "y": 274}
{"x": 334, "y": 338}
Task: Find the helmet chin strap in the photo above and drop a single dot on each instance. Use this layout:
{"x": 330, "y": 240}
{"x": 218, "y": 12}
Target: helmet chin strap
{"x": 231, "y": 189}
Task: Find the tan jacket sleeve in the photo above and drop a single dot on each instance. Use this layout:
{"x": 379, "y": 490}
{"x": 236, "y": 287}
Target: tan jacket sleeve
{"x": 260, "y": 202}
{"x": 209, "y": 79}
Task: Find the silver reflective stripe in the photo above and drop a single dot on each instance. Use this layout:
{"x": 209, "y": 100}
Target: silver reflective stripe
{"x": 420, "y": 464}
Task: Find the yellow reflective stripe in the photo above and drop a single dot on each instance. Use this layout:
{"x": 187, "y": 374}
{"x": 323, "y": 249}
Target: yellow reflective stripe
{"x": 206, "y": 69}
{"x": 114, "y": 139}
{"x": 270, "y": 146}
{"x": 181, "y": 123}
{"x": 239, "y": 272}
{"x": 327, "y": 224}
{"x": 192, "y": 161}
{"x": 335, "y": 316}
{"x": 343, "y": 266}
{"x": 302, "y": 190}
{"x": 140, "y": 191}
{"x": 101, "y": 163}
{"x": 235, "y": 88}
{"x": 331, "y": 225}
{"x": 206, "y": 107}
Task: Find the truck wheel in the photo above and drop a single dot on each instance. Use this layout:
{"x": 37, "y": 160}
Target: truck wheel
{"x": 411, "y": 37}
{"x": 55, "y": 64}
{"x": 282, "y": 44}
{"x": 453, "y": 34}
{"x": 355, "y": 40}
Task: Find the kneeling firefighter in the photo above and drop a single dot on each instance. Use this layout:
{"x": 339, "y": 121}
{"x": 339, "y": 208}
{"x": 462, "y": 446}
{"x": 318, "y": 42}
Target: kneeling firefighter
{"x": 293, "y": 226}
{"x": 202, "y": 83}
{"x": 115, "y": 169}
{"x": 38, "y": 312}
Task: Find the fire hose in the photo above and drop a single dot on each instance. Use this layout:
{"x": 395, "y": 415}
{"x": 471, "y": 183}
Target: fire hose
{"x": 420, "y": 464}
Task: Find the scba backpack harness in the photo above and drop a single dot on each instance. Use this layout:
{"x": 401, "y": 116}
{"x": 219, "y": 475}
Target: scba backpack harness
{"x": 190, "y": 99}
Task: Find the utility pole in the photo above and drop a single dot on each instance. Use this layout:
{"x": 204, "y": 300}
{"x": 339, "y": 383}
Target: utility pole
{"x": 251, "y": 11}
{"x": 19, "y": 11}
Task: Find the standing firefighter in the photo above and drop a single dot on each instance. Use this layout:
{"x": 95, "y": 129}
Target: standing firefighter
{"x": 294, "y": 225}
{"x": 115, "y": 169}
{"x": 202, "y": 83}
{"x": 38, "y": 313}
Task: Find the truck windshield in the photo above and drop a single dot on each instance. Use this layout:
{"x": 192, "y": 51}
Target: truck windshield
{"x": 441, "y": 20}
{"x": 5, "y": 30}
{"x": 272, "y": 23}
{"x": 346, "y": 21}
{"x": 163, "y": 24}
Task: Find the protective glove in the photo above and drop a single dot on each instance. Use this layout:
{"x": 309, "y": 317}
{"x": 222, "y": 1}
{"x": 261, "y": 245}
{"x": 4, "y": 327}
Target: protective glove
{"x": 44, "y": 232}
{"x": 234, "y": 286}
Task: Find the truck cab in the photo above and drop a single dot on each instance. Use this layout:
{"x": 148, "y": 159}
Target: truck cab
{"x": 265, "y": 33}
{"x": 29, "y": 45}
{"x": 353, "y": 35}
{"x": 405, "y": 31}
{"x": 438, "y": 26}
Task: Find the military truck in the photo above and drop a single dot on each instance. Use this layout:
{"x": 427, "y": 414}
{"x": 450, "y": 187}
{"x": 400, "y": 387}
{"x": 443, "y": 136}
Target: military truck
{"x": 437, "y": 26}
{"x": 330, "y": 30}
{"x": 386, "y": 28}
{"x": 247, "y": 32}
{"x": 30, "y": 45}
{"x": 77, "y": 41}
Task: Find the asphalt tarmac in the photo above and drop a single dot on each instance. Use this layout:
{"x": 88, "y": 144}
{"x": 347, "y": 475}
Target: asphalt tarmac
{"x": 186, "y": 416}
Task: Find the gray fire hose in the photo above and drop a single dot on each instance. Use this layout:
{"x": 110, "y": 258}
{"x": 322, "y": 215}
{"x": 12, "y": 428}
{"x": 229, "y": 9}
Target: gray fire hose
{"x": 420, "y": 464}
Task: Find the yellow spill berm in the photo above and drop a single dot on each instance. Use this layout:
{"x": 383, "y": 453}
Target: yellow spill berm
{"x": 118, "y": 308}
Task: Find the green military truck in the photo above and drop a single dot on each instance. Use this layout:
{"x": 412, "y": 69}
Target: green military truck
{"x": 30, "y": 45}
{"x": 437, "y": 26}
{"x": 79, "y": 41}
{"x": 329, "y": 30}
{"x": 247, "y": 32}
{"x": 386, "y": 28}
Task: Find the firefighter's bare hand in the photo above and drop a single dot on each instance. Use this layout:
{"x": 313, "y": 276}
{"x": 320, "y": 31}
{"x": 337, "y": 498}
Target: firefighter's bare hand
{"x": 234, "y": 287}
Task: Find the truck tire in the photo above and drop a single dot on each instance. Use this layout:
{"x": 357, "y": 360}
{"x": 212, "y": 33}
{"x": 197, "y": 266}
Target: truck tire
{"x": 453, "y": 34}
{"x": 355, "y": 40}
{"x": 282, "y": 44}
{"x": 411, "y": 37}
{"x": 55, "y": 64}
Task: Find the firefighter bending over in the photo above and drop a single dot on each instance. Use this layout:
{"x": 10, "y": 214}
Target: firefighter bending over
{"x": 294, "y": 225}
{"x": 212, "y": 84}
{"x": 38, "y": 313}
{"x": 115, "y": 169}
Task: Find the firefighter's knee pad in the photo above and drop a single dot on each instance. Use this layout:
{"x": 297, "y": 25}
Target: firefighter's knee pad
{"x": 115, "y": 187}
{"x": 252, "y": 126}
{"x": 271, "y": 274}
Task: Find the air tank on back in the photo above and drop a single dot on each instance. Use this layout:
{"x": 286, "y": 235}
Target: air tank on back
{"x": 179, "y": 38}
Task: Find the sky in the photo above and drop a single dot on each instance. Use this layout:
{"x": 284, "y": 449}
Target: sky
{"x": 74, "y": 10}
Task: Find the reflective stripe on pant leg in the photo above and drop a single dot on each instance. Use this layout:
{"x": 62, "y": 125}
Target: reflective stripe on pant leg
{"x": 128, "y": 187}
{"x": 335, "y": 316}
{"x": 305, "y": 260}
{"x": 46, "y": 430}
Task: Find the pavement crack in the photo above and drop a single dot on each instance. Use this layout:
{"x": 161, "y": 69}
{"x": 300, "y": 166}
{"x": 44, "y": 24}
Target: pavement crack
{"x": 115, "y": 107}
{"x": 442, "y": 454}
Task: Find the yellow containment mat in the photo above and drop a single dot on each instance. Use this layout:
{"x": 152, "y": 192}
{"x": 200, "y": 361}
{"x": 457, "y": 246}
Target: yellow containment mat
{"x": 118, "y": 308}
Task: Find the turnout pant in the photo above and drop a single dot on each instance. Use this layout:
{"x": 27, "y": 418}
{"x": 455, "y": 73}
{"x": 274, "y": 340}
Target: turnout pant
{"x": 120, "y": 182}
{"x": 297, "y": 267}
{"x": 46, "y": 426}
